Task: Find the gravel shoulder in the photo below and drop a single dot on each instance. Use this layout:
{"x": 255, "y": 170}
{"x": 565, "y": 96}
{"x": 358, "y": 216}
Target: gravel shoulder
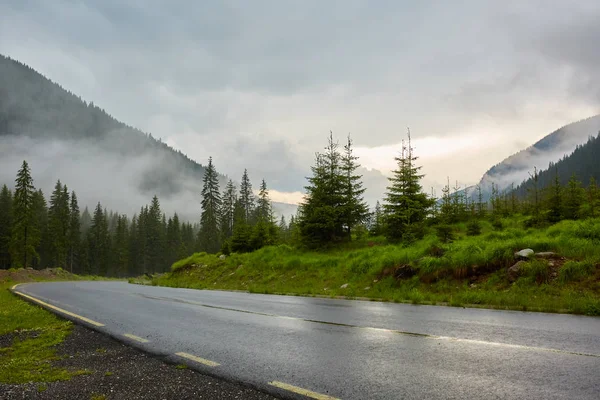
{"x": 116, "y": 371}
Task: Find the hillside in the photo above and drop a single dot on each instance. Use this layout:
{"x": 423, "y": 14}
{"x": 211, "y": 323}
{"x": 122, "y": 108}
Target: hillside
{"x": 101, "y": 158}
{"x": 582, "y": 162}
{"x": 515, "y": 169}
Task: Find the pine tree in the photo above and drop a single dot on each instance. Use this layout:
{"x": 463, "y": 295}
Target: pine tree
{"x": 378, "y": 225}
{"x": 593, "y": 194}
{"x": 481, "y": 208}
{"x": 23, "y": 237}
{"x": 85, "y": 221}
{"x": 227, "y": 210}
{"x": 58, "y": 225}
{"x": 264, "y": 231}
{"x": 155, "y": 237}
{"x": 98, "y": 242}
{"x": 209, "y": 237}
{"x": 174, "y": 240}
{"x": 283, "y": 230}
{"x": 534, "y": 192}
{"x": 321, "y": 213}
{"x": 74, "y": 232}
{"x": 406, "y": 205}
{"x": 121, "y": 247}
{"x": 240, "y": 240}
{"x": 41, "y": 234}
{"x": 246, "y": 197}
{"x": 555, "y": 201}
{"x": 446, "y": 209}
{"x": 6, "y": 213}
{"x": 574, "y": 198}
{"x": 354, "y": 208}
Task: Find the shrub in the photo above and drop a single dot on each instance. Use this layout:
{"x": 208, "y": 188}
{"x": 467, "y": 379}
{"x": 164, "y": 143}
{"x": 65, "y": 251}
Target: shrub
{"x": 575, "y": 271}
{"x": 497, "y": 224}
{"x": 473, "y": 228}
{"x": 444, "y": 233}
{"x": 538, "y": 270}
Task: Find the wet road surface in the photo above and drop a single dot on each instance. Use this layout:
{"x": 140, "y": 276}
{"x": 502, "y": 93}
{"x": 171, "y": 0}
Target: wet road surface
{"x": 325, "y": 348}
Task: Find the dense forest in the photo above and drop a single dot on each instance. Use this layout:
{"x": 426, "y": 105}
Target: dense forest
{"x": 41, "y": 233}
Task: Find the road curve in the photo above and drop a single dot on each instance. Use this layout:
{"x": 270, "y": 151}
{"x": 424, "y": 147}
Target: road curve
{"x": 298, "y": 347}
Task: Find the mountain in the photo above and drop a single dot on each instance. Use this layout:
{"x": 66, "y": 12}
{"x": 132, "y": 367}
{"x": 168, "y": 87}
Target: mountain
{"x": 102, "y": 159}
{"x": 582, "y": 162}
{"x": 516, "y": 168}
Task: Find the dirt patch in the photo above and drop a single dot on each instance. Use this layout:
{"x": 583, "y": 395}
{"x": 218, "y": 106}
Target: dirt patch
{"x": 33, "y": 275}
{"x": 8, "y": 339}
{"x": 116, "y": 371}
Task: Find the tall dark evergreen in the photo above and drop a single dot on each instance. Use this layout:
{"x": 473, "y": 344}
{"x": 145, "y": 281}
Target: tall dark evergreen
{"x": 209, "y": 237}
{"x": 6, "y": 214}
{"x": 24, "y": 238}
{"x": 246, "y": 197}
{"x": 354, "y": 208}
{"x": 98, "y": 242}
{"x": 58, "y": 225}
{"x": 406, "y": 205}
{"x": 555, "y": 200}
{"x": 228, "y": 209}
{"x": 321, "y": 213}
{"x": 42, "y": 237}
{"x": 574, "y": 198}
{"x": 74, "y": 232}
{"x": 155, "y": 237}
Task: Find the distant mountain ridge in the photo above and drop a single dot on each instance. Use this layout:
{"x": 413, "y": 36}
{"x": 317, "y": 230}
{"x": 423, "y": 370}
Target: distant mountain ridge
{"x": 551, "y": 148}
{"x": 102, "y": 159}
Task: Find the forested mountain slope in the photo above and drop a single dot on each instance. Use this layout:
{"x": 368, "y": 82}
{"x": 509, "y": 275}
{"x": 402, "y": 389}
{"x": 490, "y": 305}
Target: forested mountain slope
{"x": 516, "y": 168}
{"x": 584, "y": 163}
{"x": 102, "y": 158}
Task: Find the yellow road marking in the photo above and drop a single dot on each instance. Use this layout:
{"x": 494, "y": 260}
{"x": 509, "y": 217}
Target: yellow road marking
{"x": 198, "y": 359}
{"x": 89, "y": 321}
{"x": 14, "y": 286}
{"x": 137, "y": 338}
{"x": 303, "y": 392}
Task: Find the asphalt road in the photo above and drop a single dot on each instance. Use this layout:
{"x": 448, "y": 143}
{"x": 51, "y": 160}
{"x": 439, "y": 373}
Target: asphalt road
{"x": 345, "y": 349}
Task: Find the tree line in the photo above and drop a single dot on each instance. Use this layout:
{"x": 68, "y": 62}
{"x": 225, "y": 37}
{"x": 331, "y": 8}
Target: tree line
{"x": 34, "y": 233}
{"x": 39, "y": 234}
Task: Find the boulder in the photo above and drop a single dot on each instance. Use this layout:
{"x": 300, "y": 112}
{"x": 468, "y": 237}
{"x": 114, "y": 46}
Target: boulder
{"x": 222, "y": 257}
{"x": 344, "y": 286}
{"x": 524, "y": 254}
{"x": 368, "y": 287}
{"x": 515, "y": 270}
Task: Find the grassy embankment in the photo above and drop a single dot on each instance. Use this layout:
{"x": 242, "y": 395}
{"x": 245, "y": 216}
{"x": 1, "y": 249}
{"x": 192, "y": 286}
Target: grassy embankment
{"x": 29, "y": 334}
{"x": 470, "y": 271}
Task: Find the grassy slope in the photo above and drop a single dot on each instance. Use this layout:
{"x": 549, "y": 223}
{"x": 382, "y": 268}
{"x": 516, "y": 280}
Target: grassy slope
{"x": 35, "y": 333}
{"x": 469, "y": 271}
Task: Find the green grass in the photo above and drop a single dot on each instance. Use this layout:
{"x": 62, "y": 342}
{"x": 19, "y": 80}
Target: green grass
{"x": 36, "y": 334}
{"x": 29, "y": 359}
{"x": 441, "y": 269}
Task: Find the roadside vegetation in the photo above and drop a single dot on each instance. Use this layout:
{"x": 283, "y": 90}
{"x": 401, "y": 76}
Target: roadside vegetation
{"x": 29, "y": 335}
{"x": 458, "y": 250}
{"x": 468, "y": 271}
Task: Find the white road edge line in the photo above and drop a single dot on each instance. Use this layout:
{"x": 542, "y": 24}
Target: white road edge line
{"x": 60, "y": 310}
{"x": 301, "y": 391}
{"x": 198, "y": 359}
{"x": 136, "y": 338}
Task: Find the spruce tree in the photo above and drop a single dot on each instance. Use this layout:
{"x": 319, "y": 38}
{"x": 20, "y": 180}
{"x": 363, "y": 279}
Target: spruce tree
{"x": 155, "y": 237}
{"x": 406, "y": 205}
{"x": 6, "y": 213}
{"x": 23, "y": 237}
{"x": 246, "y": 197}
{"x": 354, "y": 209}
{"x": 98, "y": 242}
{"x": 321, "y": 213}
{"x": 264, "y": 231}
{"x": 240, "y": 240}
{"x": 227, "y": 210}
{"x": 74, "y": 232}
{"x": 555, "y": 200}
{"x": 209, "y": 237}
{"x": 42, "y": 237}
{"x": 593, "y": 195}
{"x": 378, "y": 225}
{"x": 58, "y": 225}
{"x": 121, "y": 247}
{"x": 574, "y": 198}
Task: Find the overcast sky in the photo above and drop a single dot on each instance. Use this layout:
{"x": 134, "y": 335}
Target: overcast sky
{"x": 259, "y": 84}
